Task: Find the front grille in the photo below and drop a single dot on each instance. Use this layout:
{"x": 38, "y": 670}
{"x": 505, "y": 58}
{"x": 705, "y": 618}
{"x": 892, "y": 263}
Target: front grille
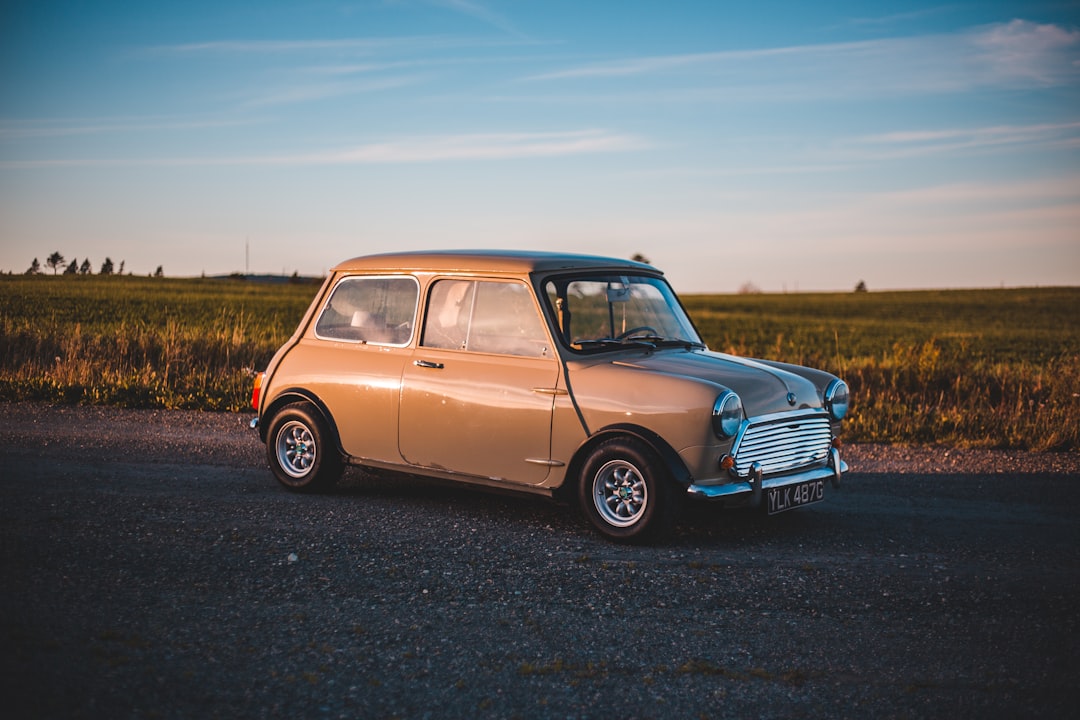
{"x": 782, "y": 443}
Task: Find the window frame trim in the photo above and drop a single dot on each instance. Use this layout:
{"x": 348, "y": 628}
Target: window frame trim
{"x": 530, "y": 287}
{"x": 361, "y": 276}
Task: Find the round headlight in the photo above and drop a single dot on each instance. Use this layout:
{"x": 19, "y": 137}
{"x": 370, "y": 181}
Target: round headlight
{"x": 727, "y": 414}
{"x": 837, "y": 399}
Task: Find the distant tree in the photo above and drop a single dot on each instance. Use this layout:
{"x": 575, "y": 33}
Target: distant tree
{"x": 749, "y": 288}
{"x": 121, "y": 270}
{"x": 638, "y": 257}
{"x": 55, "y": 261}
{"x": 73, "y": 267}
{"x": 35, "y": 268}
{"x": 159, "y": 272}
{"x": 106, "y": 267}
{"x": 84, "y": 269}
{"x": 861, "y": 287}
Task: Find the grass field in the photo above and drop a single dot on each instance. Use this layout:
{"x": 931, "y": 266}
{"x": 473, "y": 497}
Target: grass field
{"x": 991, "y": 368}
{"x": 142, "y": 342}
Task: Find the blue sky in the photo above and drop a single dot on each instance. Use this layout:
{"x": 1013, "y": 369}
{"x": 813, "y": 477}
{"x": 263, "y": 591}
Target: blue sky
{"x": 791, "y": 145}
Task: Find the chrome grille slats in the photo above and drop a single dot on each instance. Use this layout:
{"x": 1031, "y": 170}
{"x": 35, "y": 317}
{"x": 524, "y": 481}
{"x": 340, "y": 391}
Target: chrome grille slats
{"x": 784, "y": 442}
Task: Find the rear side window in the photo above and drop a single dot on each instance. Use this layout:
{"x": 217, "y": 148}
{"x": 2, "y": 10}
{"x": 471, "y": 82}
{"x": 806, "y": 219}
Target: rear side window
{"x": 485, "y": 316}
{"x": 379, "y": 310}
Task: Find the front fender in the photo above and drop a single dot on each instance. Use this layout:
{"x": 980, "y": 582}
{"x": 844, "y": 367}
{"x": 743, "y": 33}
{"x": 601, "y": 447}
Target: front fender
{"x": 672, "y": 406}
{"x": 671, "y": 460}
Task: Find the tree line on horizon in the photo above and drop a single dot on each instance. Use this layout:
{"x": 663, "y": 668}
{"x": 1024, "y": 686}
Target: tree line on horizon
{"x": 56, "y": 260}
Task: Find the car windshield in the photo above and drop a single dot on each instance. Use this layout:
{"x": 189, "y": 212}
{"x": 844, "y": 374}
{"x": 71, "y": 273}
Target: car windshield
{"x": 600, "y": 312}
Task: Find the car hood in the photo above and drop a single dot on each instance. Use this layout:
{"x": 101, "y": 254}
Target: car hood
{"x": 763, "y": 389}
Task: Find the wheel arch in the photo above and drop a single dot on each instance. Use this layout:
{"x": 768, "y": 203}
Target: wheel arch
{"x": 668, "y": 457}
{"x": 291, "y": 395}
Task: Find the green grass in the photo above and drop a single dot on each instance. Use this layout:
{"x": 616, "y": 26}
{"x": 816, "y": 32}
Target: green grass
{"x": 987, "y": 368}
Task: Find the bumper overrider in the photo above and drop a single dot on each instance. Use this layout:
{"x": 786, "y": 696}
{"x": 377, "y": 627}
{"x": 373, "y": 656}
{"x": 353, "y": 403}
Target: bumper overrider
{"x": 755, "y": 484}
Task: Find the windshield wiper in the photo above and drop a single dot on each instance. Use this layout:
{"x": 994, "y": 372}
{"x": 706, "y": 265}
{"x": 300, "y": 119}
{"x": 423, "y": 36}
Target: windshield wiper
{"x": 612, "y": 342}
{"x": 678, "y": 342}
{"x": 645, "y": 341}
{"x": 661, "y": 341}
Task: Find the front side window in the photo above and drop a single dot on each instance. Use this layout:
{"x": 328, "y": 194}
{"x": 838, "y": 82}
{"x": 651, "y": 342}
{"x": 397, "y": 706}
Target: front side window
{"x": 484, "y": 316}
{"x": 379, "y": 310}
{"x": 610, "y": 311}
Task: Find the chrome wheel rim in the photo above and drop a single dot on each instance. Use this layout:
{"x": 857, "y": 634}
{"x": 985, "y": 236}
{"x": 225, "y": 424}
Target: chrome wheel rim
{"x": 296, "y": 449}
{"x": 619, "y": 493}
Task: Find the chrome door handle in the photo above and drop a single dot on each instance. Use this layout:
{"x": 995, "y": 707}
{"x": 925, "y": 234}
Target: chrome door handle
{"x": 428, "y": 364}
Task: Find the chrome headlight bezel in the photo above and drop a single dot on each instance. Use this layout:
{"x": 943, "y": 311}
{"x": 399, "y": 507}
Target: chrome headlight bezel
{"x": 727, "y": 415}
{"x": 837, "y": 399}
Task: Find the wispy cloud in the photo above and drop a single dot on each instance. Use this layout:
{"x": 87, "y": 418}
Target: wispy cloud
{"x": 365, "y": 68}
{"x": 14, "y": 130}
{"x": 1017, "y": 54}
{"x": 928, "y": 142}
{"x": 1020, "y": 50}
{"x": 663, "y": 63}
{"x": 1041, "y": 192}
{"x": 500, "y": 146}
{"x": 411, "y": 150}
{"x": 896, "y": 18}
{"x": 479, "y": 12}
{"x": 302, "y": 92}
{"x": 851, "y": 154}
{"x": 365, "y": 45}
{"x": 356, "y": 46}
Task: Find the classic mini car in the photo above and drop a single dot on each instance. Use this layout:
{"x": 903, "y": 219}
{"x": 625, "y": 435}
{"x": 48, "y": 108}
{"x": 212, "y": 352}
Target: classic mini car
{"x": 567, "y": 376}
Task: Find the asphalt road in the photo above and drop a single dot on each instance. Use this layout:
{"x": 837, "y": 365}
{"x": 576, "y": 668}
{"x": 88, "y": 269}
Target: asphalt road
{"x": 153, "y": 568}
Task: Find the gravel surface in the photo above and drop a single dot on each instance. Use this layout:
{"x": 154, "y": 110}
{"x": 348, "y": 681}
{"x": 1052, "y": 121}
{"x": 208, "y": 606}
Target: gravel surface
{"x": 152, "y": 567}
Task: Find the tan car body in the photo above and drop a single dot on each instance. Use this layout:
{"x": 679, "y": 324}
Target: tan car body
{"x": 524, "y": 422}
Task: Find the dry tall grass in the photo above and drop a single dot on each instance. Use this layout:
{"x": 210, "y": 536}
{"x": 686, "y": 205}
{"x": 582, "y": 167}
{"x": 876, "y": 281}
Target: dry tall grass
{"x": 983, "y": 368}
{"x": 142, "y": 343}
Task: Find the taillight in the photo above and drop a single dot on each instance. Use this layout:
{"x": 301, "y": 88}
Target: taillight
{"x": 255, "y": 391}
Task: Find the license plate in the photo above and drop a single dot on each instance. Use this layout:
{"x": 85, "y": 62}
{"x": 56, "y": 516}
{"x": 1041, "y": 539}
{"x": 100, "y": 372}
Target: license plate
{"x": 792, "y": 496}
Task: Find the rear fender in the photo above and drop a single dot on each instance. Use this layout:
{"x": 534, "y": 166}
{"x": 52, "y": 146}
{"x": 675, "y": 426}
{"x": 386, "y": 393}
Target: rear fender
{"x": 289, "y": 396}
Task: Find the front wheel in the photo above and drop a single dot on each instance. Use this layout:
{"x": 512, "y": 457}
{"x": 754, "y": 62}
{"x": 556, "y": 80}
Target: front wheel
{"x": 626, "y": 492}
{"x": 301, "y": 451}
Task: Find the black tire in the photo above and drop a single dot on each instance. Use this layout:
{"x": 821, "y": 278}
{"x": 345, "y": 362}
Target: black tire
{"x": 301, "y": 449}
{"x": 626, "y": 492}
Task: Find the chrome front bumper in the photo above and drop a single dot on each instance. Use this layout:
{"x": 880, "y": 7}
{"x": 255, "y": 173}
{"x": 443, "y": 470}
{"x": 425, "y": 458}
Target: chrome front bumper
{"x": 756, "y": 484}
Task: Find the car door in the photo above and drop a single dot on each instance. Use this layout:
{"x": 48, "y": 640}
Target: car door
{"x": 478, "y": 395}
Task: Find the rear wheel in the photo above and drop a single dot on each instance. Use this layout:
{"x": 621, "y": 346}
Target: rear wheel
{"x": 626, "y": 493}
{"x": 301, "y": 451}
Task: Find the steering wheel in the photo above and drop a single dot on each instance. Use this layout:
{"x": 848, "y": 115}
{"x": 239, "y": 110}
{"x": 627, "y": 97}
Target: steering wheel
{"x": 633, "y": 331}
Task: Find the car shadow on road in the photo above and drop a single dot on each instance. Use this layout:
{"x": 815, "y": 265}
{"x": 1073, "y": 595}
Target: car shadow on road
{"x": 699, "y": 523}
